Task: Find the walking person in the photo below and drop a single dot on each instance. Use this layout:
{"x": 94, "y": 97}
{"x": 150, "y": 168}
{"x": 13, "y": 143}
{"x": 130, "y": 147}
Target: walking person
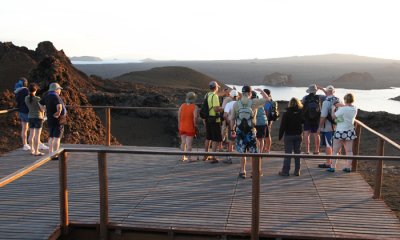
{"x": 345, "y": 132}
{"x": 35, "y": 117}
{"x": 243, "y": 121}
{"x": 21, "y": 91}
{"x": 261, "y": 127}
{"x": 291, "y": 129}
{"x": 187, "y": 119}
{"x": 56, "y": 116}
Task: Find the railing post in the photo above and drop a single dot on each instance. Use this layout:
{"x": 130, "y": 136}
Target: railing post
{"x": 63, "y": 193}
{"x": 379, "y": 170}
{"x": 108, "y": 126}
{"x": 103, "y": 182}
{"x": 356, "y": 147}
{"x": 255, "y": 200}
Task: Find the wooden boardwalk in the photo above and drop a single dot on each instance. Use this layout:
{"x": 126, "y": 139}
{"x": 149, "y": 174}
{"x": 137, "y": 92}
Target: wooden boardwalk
{"x": 162, "y": 192}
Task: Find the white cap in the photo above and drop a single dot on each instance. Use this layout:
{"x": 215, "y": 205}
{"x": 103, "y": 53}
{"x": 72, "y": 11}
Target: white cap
{"x": 233, "y": 93}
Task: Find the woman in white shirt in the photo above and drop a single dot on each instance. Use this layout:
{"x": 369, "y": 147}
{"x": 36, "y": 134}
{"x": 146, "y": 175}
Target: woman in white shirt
{"x": 345, "y": 132}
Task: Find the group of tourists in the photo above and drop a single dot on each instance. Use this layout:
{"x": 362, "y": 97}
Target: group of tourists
{"x": 244, "y": 121}
{"x": 33, "y": 111}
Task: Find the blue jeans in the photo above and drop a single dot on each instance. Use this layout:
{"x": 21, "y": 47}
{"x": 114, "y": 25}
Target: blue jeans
{"x": 292, "y": 145}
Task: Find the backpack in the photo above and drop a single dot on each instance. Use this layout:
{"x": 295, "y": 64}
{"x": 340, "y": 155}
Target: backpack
{"x": 312, "y": 108}
{"x": 205, "y": 109}
{"x": 332, "y": 101}
{"x": 273, "y": 112}
{"x": 244, "y": 116}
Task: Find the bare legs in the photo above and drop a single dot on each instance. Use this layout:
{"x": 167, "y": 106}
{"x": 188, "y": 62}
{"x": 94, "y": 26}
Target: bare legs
{"x": 24, "y": 132}
{"x": 307, "y": 141}
{"x": 34, "y": 140}
{"x": 186, "y": 145}
{"x": 348, "y": 146}
{"x": 54, "y": 144}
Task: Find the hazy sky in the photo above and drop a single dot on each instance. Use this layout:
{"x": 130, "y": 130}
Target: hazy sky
{"x": 205, "y": 29}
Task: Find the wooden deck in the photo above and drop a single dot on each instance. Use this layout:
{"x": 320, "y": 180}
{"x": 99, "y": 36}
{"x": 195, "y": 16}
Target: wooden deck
{"x": 162, "y": 192}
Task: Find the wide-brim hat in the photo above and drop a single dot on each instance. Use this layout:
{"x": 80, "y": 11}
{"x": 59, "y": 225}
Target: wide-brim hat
{"x": 54, "y": 86}
{"x": 312, "y": 88}
{"x": 191, "y": 97}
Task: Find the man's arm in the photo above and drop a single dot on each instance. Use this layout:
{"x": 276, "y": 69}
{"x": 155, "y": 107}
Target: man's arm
{"x": 58, "y": 112}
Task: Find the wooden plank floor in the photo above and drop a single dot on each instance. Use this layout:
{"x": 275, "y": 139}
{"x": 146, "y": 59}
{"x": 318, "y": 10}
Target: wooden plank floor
{"x": 160, "y": 191}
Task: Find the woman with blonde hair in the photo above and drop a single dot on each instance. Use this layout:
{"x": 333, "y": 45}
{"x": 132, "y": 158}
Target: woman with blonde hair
{"x": 187, "y": 118}
{"x": 345, "y": 132}
{"x": 292, "y": 128}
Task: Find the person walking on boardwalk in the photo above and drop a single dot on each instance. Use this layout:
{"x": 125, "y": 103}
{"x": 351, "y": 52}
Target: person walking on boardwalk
{"x": 21, "y": 91}
{"x": 327, "y": 125}
{"x": 242, "y": 123}
{"x": 56, "y": 116}
{"x": 213, "y": 121}
{"x": 187, "y": 119}
{"x": 35, "y": 116}
{"x": 345, "y": 132}
{"x": 291, "y": 129}
{"x": 312, "y": 112}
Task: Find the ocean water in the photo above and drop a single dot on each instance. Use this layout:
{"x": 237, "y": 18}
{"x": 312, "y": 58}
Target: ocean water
{"x": 373, "y": 100}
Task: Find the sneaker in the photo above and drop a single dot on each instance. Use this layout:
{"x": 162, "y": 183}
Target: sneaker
{"x": 346, "y": 170}
{"x": 297, "y": 173}
{"x": 26, "y": 147}
{"x": 331, "y": 169}
{"x": 206, "y": 158}
{"x": 228, "y": 160}
{"x": 42, "y": 146}
{"x": 324, "y": 165}
{"x": 242, "y": 175}
{"x": 283, "y": 174}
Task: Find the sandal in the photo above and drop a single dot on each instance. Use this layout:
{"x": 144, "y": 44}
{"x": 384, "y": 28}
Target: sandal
{"x": 242, "y": 175}
{"x": 316, "y": 153}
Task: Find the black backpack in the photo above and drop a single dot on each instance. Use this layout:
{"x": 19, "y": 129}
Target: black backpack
{"x": 312, "y": 108}
{"x": 205, "y": 109}
{"x": 273, "y": 112}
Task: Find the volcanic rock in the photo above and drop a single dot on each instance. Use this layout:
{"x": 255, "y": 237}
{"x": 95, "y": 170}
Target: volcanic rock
{"x": 278, "y": 79}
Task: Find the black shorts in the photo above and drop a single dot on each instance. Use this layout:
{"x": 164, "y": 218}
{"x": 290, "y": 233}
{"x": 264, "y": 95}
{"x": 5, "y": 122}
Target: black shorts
{"x": 56, "y": 131}
{"x": 35, "y": 123}
{"x": 213, "y": 131}
{"x": 262, "y": 131}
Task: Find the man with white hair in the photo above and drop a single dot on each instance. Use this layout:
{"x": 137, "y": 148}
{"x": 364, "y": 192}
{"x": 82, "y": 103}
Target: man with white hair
{"x": 327, "y": 127}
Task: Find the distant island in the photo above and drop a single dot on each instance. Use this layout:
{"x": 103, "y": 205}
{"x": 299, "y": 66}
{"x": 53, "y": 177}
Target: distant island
{"x": 396, "y": 98}
{"x": 86, "y": 58}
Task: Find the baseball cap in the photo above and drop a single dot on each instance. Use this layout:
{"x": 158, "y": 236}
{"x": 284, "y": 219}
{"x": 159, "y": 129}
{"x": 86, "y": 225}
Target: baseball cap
{"x": 330, "y": 88}
{"x": 213, "y": 84}
{"x": 233, "y": 93}
{"x": 246, "y": 89}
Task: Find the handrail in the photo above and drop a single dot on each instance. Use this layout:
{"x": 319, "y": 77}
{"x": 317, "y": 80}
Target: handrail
{"x": 8, "y": 110}
{"x": 380, "y": 135}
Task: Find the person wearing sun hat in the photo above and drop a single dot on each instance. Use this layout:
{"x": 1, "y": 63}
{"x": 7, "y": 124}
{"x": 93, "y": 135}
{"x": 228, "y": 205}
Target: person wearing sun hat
{"x": 187, "y": 119}
{"x": 311, "y": 124}
{"x": 56, "y": 115}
